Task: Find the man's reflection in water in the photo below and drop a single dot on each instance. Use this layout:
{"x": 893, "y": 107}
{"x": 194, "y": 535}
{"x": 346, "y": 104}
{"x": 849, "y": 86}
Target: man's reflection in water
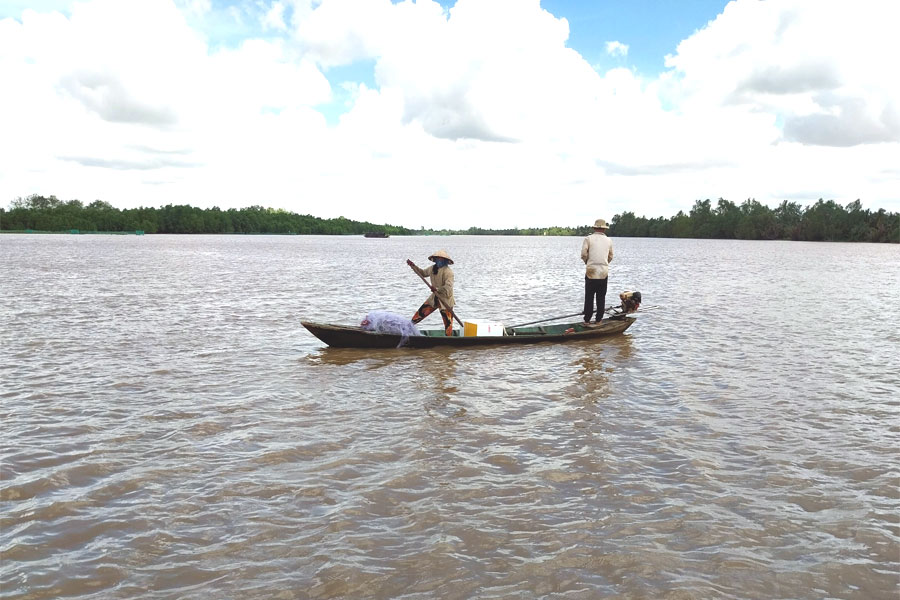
{"x": 594, "y": 363}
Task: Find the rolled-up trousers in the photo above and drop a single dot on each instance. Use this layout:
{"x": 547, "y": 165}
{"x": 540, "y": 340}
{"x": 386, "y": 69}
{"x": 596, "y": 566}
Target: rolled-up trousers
{"x": 594, "y": 288}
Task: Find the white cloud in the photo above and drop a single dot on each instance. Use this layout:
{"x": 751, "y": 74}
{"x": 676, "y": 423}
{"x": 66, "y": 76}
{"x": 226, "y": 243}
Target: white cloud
{"x": 615, "y": 48}
{"x": 479, "y": 115}
{"x": 196, "y": 7}
{"x": 274, "y": 18}
{"x": 823, "y": 67}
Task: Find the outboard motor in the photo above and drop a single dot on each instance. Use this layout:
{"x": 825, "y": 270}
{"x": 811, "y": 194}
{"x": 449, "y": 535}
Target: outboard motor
{"x": 631, "y": 301}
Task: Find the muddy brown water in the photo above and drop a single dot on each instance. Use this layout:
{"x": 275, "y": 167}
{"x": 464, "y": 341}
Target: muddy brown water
{"x": 169, "y": 430}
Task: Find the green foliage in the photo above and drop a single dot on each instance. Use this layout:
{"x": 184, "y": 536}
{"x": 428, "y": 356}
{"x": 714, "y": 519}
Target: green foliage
{"x": 41, "y": 213}
{"x": 822, "y": 221}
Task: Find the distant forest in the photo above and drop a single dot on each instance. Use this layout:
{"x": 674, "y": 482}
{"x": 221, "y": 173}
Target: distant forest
{"x": 821, "y": 221}
{"x": 40, "y": 213}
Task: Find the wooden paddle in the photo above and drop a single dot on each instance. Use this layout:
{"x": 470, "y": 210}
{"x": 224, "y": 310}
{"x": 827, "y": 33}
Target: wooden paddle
{"x": 433, "y": 291}
{"x": 578, "y": 314}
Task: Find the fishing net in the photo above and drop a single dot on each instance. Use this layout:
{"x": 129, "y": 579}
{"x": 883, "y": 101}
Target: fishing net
{"x": 381, "y": 321}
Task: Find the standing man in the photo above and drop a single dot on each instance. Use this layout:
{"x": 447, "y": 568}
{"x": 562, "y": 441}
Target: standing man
{"x": 442, "y": 289}
{"x": 597, "y": 253}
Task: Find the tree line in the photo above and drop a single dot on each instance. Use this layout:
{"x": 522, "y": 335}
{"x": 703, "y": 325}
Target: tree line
{"x": 821, "y": 221}
{"x": 40, "y": 213}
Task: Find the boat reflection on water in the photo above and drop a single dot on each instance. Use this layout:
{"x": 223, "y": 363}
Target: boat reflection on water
{"x": 431, "y": 374}
{"x": 348, "y": 356}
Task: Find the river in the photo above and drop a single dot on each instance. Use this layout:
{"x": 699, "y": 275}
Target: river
{"x": 169, "y": 429}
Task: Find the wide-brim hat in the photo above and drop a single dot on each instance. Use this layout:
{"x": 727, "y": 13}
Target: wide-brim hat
{"x": 600, "y": 224}
{"x": 441, "y": 254}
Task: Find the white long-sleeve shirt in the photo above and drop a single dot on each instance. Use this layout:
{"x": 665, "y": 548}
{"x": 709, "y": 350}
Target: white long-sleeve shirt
{"x": 597, "y": 253}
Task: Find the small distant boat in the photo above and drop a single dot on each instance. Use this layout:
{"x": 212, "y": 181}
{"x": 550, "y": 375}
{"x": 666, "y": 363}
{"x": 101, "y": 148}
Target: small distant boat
{"x": 376, "y": 234}
{"x": 343, "y": 336}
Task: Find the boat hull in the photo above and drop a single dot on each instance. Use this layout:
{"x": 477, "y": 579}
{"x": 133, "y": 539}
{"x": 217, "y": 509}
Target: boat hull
{"x": 342, "y": 336}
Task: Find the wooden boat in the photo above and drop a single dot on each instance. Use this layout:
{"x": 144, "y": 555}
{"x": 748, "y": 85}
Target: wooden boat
{"x": 343, "y": 336}
{"x": 376, "y": 234}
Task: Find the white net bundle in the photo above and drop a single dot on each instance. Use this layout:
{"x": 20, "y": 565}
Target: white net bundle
{"x": 381, "y": 321}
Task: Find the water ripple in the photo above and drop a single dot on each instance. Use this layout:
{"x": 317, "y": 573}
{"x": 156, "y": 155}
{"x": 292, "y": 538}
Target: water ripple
{"x": 171, "y": 432}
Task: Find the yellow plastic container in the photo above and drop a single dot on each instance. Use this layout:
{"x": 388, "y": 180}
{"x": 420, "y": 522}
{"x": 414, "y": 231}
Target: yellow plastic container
{"x": 480, "y": 328}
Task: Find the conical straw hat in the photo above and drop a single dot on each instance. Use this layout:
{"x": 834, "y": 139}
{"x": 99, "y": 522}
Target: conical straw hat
{"x": 441, "y": 254}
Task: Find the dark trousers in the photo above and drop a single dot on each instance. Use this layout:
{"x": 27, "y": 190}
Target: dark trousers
{"x": 592, "y": 288}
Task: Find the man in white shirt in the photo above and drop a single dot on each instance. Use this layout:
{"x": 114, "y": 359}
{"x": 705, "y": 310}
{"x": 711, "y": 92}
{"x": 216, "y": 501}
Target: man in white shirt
{"x": 597, "y": 253}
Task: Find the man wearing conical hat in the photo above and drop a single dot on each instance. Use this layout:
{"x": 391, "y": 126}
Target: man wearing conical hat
{"x": 441, "y": 287}
{"x": 597, "y": 253}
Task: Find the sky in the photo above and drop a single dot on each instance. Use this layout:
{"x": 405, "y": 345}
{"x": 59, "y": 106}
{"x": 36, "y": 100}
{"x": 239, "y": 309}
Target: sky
{"x": 451, "y": 114}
